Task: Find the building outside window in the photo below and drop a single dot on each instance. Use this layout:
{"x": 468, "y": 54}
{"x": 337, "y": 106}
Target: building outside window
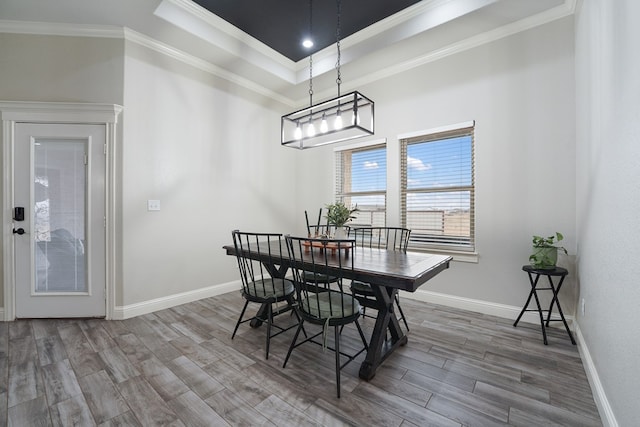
{"x": 437, "y": 188}
{"x": 361, "y": 180}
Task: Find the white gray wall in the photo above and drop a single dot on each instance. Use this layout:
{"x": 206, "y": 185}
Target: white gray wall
{"x": 210, "y": 152}
{"x": 520, "y": 92}
{"x": 608, "y": 199}
{"x": 61, "y": 69}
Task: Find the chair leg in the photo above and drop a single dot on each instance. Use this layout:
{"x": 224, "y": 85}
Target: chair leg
{"x": 291, "y": 302}
{"x": 299, "y": 320}
{"x": 364, "y": 340}
{"x": 269, "y": 320}
{"x": 293, "y": 343}
{"x": 337, "y": 344}
{"x": 246, "y": 303}
{"x": 404, "y": 319}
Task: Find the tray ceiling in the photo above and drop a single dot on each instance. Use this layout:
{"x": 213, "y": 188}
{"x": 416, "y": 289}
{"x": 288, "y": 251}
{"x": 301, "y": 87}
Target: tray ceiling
{"x": 258, "y": 47}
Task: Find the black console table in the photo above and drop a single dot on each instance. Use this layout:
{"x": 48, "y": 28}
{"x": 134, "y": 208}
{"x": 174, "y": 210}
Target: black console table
{"x": 534, "y": 275}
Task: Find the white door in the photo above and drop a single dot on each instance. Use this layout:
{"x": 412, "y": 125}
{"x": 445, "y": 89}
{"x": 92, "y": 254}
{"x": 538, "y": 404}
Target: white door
{"x": 59, "y": 180}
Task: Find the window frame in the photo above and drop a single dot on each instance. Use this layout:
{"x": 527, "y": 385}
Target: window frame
{"x": 341, "y": 195}
{"x": 465, "y": 251}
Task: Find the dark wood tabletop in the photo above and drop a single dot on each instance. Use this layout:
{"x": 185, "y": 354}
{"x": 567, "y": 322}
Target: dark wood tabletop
{"x": 394, "y": 269}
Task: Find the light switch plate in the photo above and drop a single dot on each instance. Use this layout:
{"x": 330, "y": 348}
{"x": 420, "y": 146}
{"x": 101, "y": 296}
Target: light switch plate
{"x": 153, "y": 205}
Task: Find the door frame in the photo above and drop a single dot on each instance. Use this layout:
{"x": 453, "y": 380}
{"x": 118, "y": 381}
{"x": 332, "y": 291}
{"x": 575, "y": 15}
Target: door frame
{"x": 52, "y": 113}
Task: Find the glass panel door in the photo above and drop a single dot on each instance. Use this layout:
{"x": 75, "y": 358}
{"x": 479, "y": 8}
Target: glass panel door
{"x": 59, "y": 191}
{"x": 60, "y": 251}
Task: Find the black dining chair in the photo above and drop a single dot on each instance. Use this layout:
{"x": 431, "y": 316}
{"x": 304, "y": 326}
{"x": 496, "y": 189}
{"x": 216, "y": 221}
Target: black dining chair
{"x": 320, "y": 228}
{"x": 320, "y": 231}
{"x": 260, "y": 281}
{"x": 390, "y": 238}
{"x": 319, "y": 304}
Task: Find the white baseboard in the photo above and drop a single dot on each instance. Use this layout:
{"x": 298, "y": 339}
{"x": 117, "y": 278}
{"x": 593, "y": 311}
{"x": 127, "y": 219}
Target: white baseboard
{"x": 484, "y": 307}
{"x": 145, "y": 307}
{"x": 604, "y": 408}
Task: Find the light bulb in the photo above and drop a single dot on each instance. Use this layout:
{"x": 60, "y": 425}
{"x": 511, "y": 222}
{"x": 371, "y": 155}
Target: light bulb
{"x": 324, "y": 127}
{"x": 308, "y": 43}
{"x": 355, "y": 118}
{"x": 311, "y": 130}
{"x": 338, "y": 123}
{"x": 297, "y": 134}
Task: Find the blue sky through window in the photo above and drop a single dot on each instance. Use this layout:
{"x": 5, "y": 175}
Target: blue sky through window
{"x": 369, "y": 173}
{"x": 439, "y": 164}
{"x": 436, "y": 166}
{"x": 369, "y": 170}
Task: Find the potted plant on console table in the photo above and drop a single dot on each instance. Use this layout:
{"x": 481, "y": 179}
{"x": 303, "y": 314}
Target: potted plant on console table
{"x": 338, "y": 215}
{"x": 545, "y": 251}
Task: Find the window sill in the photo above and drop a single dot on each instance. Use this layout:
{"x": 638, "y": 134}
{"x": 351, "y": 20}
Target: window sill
{"x": 457, "y": 255}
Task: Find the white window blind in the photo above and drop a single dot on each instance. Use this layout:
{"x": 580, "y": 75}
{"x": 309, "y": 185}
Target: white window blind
{"x": 361, "y": 179}
{"x": 437, "y": 189}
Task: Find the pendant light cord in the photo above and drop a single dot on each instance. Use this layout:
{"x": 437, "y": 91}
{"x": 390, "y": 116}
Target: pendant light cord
{"x": 339, "y": 78}
{"x": 311, "y": 55}
{"x": 310, "y": 80}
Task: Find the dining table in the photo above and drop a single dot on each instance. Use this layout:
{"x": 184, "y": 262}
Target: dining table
{"x": 387, "y": 272}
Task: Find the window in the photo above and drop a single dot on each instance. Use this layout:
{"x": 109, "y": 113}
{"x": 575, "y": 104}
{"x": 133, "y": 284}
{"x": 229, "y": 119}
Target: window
{"x": 437, "y": 188}
{"x": 361, "y": 180}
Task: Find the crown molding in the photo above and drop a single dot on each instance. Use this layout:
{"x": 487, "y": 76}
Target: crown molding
{"x": 205, "y": 25}
{"x": 79, "y": 30}
{"x": 388, "y": 23}
{"x": 566, "y": 9}
{"x": 225, "y": 27}
{"x": 420, "y": 17}
{"x": 418, "y": 10}
{"x": 165, "y": 49}
{"x": 57, "y": 29}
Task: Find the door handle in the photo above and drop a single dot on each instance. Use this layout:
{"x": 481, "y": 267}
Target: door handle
{"x": 19, "y": 231}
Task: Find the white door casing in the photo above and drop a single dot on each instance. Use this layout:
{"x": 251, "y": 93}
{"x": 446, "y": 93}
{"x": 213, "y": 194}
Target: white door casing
{"x": 17, "y": 116}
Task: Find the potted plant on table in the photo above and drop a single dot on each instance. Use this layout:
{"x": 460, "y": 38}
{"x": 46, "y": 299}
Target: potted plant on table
{"x": 338, "y": 214}
{"x": 545, "y": 251}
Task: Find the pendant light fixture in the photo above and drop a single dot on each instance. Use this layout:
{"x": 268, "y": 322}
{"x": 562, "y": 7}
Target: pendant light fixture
{"x": 339, "y": 119}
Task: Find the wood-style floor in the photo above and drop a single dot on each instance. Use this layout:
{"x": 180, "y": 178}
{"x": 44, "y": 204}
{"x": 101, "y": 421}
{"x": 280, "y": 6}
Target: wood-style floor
{"x": 179, "y": 367}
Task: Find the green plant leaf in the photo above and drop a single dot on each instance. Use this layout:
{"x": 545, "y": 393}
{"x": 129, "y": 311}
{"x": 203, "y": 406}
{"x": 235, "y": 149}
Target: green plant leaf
{"x": 338, "y": 214}
{"x": 539, "y": 258}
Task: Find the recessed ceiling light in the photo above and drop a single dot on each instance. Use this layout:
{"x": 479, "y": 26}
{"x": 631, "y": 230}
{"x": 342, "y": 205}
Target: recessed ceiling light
{"x": 308, "y": 43}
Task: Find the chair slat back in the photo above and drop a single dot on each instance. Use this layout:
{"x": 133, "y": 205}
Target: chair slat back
{"x": 321, "y": 231}
{"x": 257, "y": 275}
{"x": 311, "y": 261}
{"x": 392, "y": 238}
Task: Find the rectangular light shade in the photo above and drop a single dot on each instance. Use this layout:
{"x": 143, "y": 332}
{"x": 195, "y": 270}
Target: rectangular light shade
{"x": 319, "y": 124}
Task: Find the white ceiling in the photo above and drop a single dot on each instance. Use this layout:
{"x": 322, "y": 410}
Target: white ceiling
{"x": 421, "y": 33}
